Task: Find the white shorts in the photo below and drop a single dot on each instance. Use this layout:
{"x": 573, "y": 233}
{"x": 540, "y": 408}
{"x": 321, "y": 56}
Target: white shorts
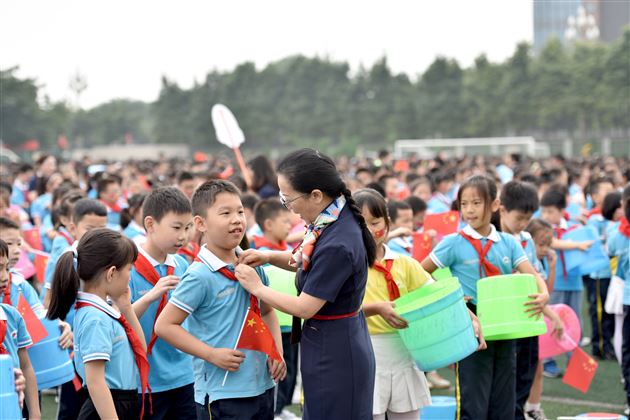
{"x": 399, "y": 386}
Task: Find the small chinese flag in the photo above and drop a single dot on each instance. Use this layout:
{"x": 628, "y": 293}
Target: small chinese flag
{"x": 33, "y": 238}
{"x": 580, "y": 371}
{"x": 421, "y": 246}
{"x": 34, "y": 326}
{"x": 256, "y": 336}
{"x": 443, "y": 223}
{"x": 41, "y": 260}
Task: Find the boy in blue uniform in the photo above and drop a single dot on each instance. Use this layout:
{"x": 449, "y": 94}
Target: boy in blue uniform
{"x": 109, "y": 193}
{"x": 602, "y": 323}
{"x": 156, "y": 273}
{"x": 401, "y": 217}
{"x": 215, "y": 305}
{"x": 14, "y": 338}
{"x": 568, "y": 286}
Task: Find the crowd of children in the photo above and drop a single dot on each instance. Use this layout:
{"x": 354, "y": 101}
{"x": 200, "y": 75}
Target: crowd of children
{"x": 142, "y": 276}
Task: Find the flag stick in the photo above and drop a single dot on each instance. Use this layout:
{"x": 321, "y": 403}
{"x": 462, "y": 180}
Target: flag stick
{"x": 241, "y": 164}
{"x": 236, "y": 344}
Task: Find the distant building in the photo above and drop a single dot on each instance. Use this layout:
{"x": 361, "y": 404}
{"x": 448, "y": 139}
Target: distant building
{"x": 569, "y": 20}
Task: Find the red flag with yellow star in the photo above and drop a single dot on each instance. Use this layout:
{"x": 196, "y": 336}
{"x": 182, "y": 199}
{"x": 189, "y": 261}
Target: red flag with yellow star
{"x": 443, "y": 223}
{"x": 34, "y": 326}
{"x": 256, "y": 336}
{"x": 421, "y": 246}
{"x": 580, "y": 371}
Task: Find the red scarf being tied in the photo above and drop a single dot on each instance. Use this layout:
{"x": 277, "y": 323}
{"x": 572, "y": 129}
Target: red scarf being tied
{"x": 262, "y": 242}
{"x": 392, "y": 287}
{"x": 146, "y": 270}
{"x": 624, "y": 227}
{"x": 136, "y": 345}
{"x": 253, "y": 300}
{"x": 490, "y": 270}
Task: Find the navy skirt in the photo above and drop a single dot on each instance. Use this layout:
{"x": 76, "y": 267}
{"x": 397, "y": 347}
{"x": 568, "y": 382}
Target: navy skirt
{"x": 337, "y": 364}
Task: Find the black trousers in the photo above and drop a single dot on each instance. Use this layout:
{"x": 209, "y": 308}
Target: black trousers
{"x": 486, "y": 384}
{"x": 177, "y": 403}
{"x": 286, "y": 387}
{"x": 259, "y": 407}
{"x": 71, "y": 401}
{"x": 602, "y": 323}
{"x": 526, "y": 363}
{"x": 625, "y": 351}
{"x": 125, "y": 402}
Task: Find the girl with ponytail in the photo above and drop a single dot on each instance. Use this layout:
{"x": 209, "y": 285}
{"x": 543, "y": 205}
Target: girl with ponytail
{"x": 108, "y": 338}
{"x": 337, "y": 361}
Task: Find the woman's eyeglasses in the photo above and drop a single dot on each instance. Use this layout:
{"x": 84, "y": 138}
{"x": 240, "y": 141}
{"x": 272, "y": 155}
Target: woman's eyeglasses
{"x": 286, "y": 202}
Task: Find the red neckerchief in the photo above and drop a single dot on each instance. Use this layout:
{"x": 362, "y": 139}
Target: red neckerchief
{"x": 3, "y": 334}
{"x": 392, "y": 287}
{"x": 136, "y": 345}
{"x": 253, "y": 300}
{"x": 624, "y": 227}
{"x": 7, "y": 291}
{"x": 192, "y": 253}
{"x": 66, "y": 236}
{"x": 490, "y": 270}
{"x": 594, "y": 211}
{"x": 112, "y": 207}
{"x": 560, "y": 233}
{"x": 146, "y": 270}
{"x": 262, "y": 242}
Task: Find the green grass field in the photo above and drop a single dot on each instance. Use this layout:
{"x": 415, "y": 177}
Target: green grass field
{"x": 606, "y": 393}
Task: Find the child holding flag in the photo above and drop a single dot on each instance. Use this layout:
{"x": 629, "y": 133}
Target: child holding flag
{"x": 110, "y": 351}
{"x": 155, "y": 274}
{"x": 222, "y": 317}
{"x": 14, "y": 338}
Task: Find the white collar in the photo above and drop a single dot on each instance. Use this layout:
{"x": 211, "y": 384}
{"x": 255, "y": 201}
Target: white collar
{"x": 17, "y": 278}
{"x": 98, "y": 302}
{"x": 389, "y": 254}
{"x": 493, "y": 236}
{"x": 3, "y": 316}
{"x": 563, "y": 223}
{"x": 523, "y": 236}
{"x": 213, "y": 262}
{"x": 170, "y": 258}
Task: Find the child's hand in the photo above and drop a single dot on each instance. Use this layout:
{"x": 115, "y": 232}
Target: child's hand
{"x": 552, "y": 258}
{"x": 584, "y": 246}
{"x": 401, "y": 231}
{"x": 386, "y": 310}
{"x": 163, "y": 286}
{"x": 226, "y": 359}
{"x": 66, "y": 339}
{"x": 123, "y": 302}
{"x": 431, "y": 232}
{"x": 478, "y": 333}
{"x": 277, "y": 370}
{"x": 248, "y": 278}
{"x": 253, "y": 258}
{"x": 557, "y": 326}
{"x": 20, "y": 385}
{"x": 536, "y": 304}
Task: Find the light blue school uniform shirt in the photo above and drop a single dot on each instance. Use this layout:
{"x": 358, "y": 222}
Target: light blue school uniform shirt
{"x": 134, "y": 230}
{"x": 600, "y": 225}
{"x": 19, "y": 286}
{"x": 47, "y": 286}
{"x": 19, "y": 192}
{"x": 572, "y": 282}
{"x": 98, "y": 336}
{"x": 41, "y": 206}
{"x": 439, "y": 203}
{"x": 17, "y": 337}
{"x": 617, "y": 245}
{"x": 170, "y": 367}
{"x": 455, "y": 252}
{"x": 529, "y": 248}
{"x": 402, "y": 245}
{"x": 46, "y": 225}
{"x": 59, "y": 246}
{"x": 217, "y": 307}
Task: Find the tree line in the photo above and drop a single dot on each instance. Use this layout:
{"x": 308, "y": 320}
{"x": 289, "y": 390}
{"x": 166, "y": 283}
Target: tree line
{"x": 300, "y": 101}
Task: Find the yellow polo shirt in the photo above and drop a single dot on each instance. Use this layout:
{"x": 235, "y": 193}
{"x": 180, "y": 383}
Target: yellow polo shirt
{"x": 408, "y": 274}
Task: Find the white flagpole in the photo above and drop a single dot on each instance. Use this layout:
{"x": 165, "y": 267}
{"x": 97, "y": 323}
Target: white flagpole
{"x": 235, "y": 344}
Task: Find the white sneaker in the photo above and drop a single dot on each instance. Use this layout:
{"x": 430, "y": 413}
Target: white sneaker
{"x": 287, "y": 415}
{"x": 536, "y": 415}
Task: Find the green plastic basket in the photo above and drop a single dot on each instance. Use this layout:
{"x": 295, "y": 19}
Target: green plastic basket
{"x": 282, "y": 281}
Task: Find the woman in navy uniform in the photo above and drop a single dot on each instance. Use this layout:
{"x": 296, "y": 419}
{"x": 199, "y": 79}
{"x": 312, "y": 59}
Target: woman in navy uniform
{"x": 337, "y": 361}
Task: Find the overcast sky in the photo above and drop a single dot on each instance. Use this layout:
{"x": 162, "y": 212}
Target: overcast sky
{"x": 124, "y": 47}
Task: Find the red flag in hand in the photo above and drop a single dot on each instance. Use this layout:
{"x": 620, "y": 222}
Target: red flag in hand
{"x": 421, "y": 246}
{"x": 34, "y": 326}
{"x": 443, "y": 223}
{"x": 580, "y": 371}
{"x": 256, "y": 336}
{"x": 41, "y": 260}
{"x": 33, "y": 238}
